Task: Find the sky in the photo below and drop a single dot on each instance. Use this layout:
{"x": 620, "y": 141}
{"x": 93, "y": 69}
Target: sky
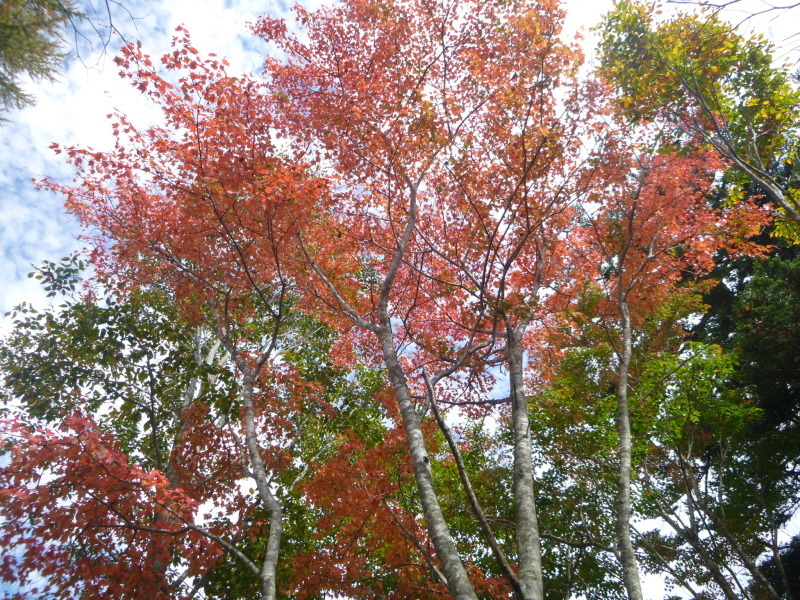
{"x": 73, "y": 109}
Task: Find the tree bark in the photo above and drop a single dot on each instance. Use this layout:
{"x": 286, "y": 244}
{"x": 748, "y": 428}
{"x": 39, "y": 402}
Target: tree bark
{"x": 458, "y": 582}
{"x": 473, "y": 500}
{"x": 527, "y": 527}
{"x": 627, "y": 557}
{"x": 692, "y": 538}
{"x": 273, "y": 505}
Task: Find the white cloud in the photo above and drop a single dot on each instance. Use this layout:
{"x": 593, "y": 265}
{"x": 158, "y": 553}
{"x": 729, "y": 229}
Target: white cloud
{"x": 72, "y": 110}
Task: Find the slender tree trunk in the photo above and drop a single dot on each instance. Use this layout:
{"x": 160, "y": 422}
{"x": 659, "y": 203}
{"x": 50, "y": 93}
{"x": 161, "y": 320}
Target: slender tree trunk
{"x": 527, "y": 528}
{"x": 273, "y": 505}
{"x": 473, "y": 500}
{"x": 776, "y": 557}
{"x": 695, "y": 494}
{"x": 692, "y": 538}
{"x": 627, "y": 557}
{"x": 458, "y": 582}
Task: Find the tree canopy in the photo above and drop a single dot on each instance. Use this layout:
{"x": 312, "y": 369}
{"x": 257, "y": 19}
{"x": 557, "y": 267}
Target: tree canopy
{"x": 425, "y": 309}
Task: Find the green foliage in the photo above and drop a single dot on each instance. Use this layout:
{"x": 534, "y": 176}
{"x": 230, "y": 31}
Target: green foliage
{"x": 767, "y": 335}
{"x": 705, "y": 83}
{"x": 31, "y": 38}
{"x": 697, "y": 62}
{"x": 572, "y": 424}
{"x": 689, "y": 419}
{"x": 128, "y": 359}
{"x": 685, "y": 397}
{"x": 345, "y": 401}
{"x": 722, "y": 414}
{"x": 754, "y": 313}
{"x": 351, "y": 392}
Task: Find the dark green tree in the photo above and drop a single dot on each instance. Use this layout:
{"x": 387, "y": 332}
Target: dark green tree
{"x": 31, "y": 45}
{"x": 754, "y": 313}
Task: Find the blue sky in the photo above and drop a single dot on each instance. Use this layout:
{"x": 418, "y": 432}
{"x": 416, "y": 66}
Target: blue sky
{"x": 72, "y": 110}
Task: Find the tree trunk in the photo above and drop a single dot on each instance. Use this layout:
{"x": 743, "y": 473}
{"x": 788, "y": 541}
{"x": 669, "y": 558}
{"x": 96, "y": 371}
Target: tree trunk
{"x": 691, "y": 536}
{"x": 458, "y": 582}
{"x": 273, "y": 505}
{"x": 630, "y": 569}
{"x": 527, "y": 528}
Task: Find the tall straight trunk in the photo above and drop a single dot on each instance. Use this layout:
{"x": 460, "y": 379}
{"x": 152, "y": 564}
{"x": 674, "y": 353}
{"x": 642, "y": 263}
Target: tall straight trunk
{"x": 458, "y": 582}
{"x": 455, "y": 574}
{"x": 630, "y": 568}
{"x": 527, "y": 527}
{"x": 273, "y": 505}
{"x": 776, "y": 557}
